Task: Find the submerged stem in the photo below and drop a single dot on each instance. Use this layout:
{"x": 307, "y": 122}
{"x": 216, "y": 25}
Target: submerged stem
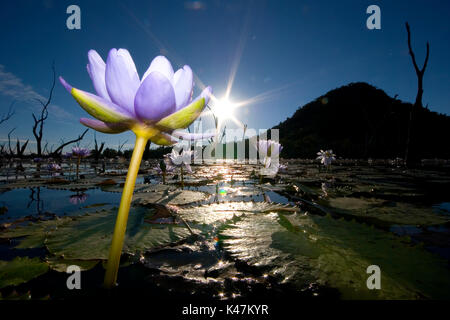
{"x": 122, "y": 216}
{"x": 78, "y": 167}
{"x": 181, "y": 174}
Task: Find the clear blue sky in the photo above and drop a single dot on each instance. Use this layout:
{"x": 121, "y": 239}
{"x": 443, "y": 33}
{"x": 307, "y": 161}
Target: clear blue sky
{"x": 290, "y": 52}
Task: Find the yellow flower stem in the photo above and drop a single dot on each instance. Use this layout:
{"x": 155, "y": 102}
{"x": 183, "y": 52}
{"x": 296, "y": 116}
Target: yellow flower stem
{"x": 122, "y": 216}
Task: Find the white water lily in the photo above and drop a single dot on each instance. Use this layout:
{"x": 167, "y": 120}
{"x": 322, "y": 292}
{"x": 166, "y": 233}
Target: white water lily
{"x": 326, "y": 157}
{"x": 178, "y": 159}
{"x": 269, "y": 151}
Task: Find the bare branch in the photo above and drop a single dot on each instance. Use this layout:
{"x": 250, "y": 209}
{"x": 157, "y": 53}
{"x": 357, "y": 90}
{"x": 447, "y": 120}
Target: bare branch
{"x": 9, "y": 114}
{"x": 11, "y": 152}
{"x": 426, "y": 59}
{"x": 38, "y": 126}
{"x": 418, "y": 103}
{"x": 120, "y": 146}
{"x": 58, "y": 150}
{"x": 411, "y": 53}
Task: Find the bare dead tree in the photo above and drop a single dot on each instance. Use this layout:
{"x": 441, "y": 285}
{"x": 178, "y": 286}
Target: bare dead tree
{"x": 418, "y": 103}
{"x": 45, "y": 149}
{"x": 59, "y": 150}
{"x": 38, "y": 126}
{"x": 11, "y": 152}
{"x": 9, "y": 114}
{"x": 97, "y": 150}
{"x": 21, "y": 149}
{"x": 120, "y": 146}
{"x": 419, "y": 72}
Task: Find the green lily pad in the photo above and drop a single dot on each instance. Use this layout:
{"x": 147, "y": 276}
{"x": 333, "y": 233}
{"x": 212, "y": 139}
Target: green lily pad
{"x": 20, "y": 270}
{"x": 61, "y": 265}
{"x": 391, "y": 212}
{"x": 89, "y": 237}
{"x": 34, "y": 233}
{"x": 303, "y": 249}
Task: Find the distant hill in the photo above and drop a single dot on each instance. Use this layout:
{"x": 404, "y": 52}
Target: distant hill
{"x": 361, "y": 121}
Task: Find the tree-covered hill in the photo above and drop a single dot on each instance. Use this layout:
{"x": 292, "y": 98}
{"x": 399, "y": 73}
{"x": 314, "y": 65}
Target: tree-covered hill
{"x": 361, "y": 121}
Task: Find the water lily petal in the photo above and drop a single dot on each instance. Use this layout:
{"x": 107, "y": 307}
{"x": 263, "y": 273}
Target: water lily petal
{"x": 96, "y": 69}
{"x": 267, "y": 162}
{"x": 163, "y": 139}
{"x": 186, "y": 156}
{"x": 96, "y": 106}
{"x": 188, "y": 168}
{"x": 263, "y": 147}
{"x": 104, "y": 127}
{"x": 275, "y": 148}
{"x": 182, "y": 118}
{"x": 65, "y": 84}
{"x": 175, "y": 158}
{"x": 183, "y": 81}
{"x": 206, "y": 94}
{"x": 161, "y": 65}
{"x": 122, "y": 79}
{"x": 155, "y": 98}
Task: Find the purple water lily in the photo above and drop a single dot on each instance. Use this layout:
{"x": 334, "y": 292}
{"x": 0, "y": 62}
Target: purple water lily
{"x": 155, "y": 107}
{"x": 54, "y": 168}
{"x": 159, "y": 103}
{"x": 80, "y": 152}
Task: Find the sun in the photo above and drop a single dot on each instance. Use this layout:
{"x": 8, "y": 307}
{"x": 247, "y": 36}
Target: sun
{"x": 224, "y": 109}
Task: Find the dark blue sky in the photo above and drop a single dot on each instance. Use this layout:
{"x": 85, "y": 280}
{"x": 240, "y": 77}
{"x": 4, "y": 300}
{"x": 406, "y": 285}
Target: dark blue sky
{"x": 290, "y": 52}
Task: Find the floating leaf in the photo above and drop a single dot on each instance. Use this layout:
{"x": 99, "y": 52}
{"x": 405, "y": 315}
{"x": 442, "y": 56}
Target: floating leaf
{"x": 304, "y": 249}
{"x": 61, "y": 265}
{"x": 20, "y": 270}
{"x": 89, "y": 237}
{"x": 34, "y": 233}
{"x": 391, "y": 212}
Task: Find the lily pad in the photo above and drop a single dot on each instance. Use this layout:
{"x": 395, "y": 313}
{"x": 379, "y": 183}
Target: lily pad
{"x": 20, "y": 270}
{"x": 61, "y": 265}
{"x": 89, "y": 237}
{"x": 303, "y": 249}
{"x": 389, "y": 211}
{"x": 34, "y": 234}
